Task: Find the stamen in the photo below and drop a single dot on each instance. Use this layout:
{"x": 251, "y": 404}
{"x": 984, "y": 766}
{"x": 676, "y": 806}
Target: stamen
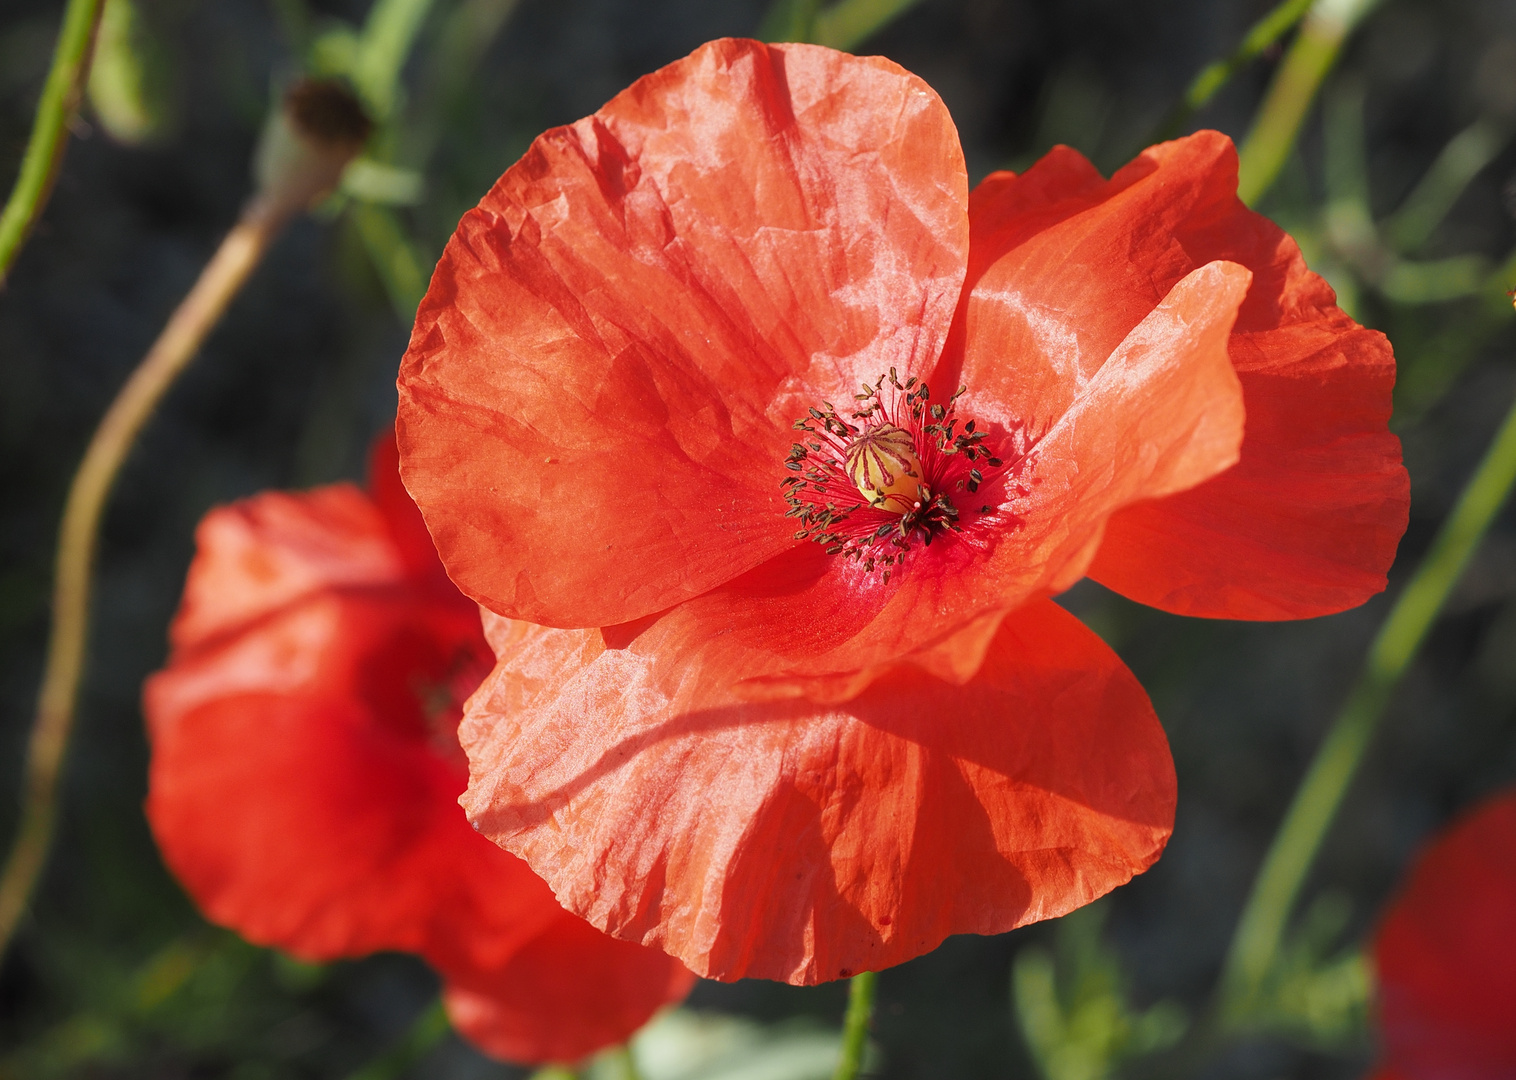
{"x": 869, "y": 484}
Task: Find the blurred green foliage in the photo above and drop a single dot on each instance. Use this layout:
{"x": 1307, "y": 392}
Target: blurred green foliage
{"x": 205, "y": 994}
{"x": 685, "y": 1044}
{"x": 132, "y": 77}
{"x": 1073, "y": 1008}
{"x": 1400, "y": 213}
{"x": 1375, "y": 262}
{"x": 1318, "y": 990}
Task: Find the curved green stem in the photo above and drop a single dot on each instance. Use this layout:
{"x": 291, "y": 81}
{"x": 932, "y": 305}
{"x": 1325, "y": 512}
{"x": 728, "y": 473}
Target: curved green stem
{"x": 1311, "y": 56}
{"x": 1261, "y": 928}
{"x": 44, "y": 150}
{"x": 855, "y": 1025}
{"x": 447, "y": 74}
{"x": 388, "y": 34}
{"x": 400, "y": 266}
{"x": 843, "y": 25}
{"x": 849, "y": 23}
{"x": 1430, "y": 201}
{"x": 1215, "y": 75}
{"x": 789, "y": 20}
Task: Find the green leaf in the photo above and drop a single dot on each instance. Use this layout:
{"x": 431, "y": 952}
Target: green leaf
{"x": 1073, "y": 1010}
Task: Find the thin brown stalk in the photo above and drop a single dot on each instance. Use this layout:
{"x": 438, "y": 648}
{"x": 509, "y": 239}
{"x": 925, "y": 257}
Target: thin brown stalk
{"x": 176, "y": 346}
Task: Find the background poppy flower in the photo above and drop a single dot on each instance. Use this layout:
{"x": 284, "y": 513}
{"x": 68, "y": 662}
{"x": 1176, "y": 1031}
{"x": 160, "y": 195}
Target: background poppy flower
{"x": 1446, "y": 955}
{"x": 599, "y": 415}
{"x": 305, "y": 772}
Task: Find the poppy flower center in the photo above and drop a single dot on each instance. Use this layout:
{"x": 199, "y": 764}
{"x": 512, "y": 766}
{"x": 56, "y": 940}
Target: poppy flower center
{"x": 439, "y": 690}
{"x": 883, "y": 465}
{"x": 874, "y": 481}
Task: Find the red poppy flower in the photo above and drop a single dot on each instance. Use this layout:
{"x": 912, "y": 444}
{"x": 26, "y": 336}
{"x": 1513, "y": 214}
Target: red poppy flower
{"x": 1446, "y": 955}
{"x": 671, "y": 379}
{"x": 305, "y": 773}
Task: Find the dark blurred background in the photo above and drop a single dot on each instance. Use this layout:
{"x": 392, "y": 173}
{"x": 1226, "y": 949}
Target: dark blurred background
{"x": 115, "y": 975}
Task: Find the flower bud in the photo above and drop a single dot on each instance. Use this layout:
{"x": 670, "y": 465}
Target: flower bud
{"x": 306, "y": 145}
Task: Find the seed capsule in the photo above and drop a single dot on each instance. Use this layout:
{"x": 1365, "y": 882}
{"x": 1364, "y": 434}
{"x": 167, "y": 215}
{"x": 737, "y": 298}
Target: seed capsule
{"x": 883, "y": 465}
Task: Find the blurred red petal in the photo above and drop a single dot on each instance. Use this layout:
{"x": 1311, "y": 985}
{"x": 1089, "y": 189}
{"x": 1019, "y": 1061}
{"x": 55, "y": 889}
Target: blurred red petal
{"x": 617, "y": 339}
{"x": 404, "y": 521}
{"x": 507, "y": 1014}
{"x": 1446, "y": 954}
{"x": 297, "y": 787}
{"x": 305, "y": 769}
{"x": 328, "y": 538}
{"x": 792, "y": 841}
{"x": 302, "y": 825}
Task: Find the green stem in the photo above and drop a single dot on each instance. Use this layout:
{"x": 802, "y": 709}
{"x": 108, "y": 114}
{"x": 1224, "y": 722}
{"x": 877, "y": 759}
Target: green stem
{"x": 849, "y": 23}
{"x": 1218, "y": 73}
{"x": 400, "y": 267}
{"x": 623, "y": 1063}
{"x": 44, "y": 150}
{"x": 425, "y": 1032}
{"x": 843, "y": 25}
{"x": 1463, "y": 158}
{"x": 1261, "y": 928}
{"x": 789, "y": 20}
{"x": 855, "y": 1025}
{"x": 447, "y": 73}
{"x": 388, "y": 34}
{"x": 1311, "y": 56}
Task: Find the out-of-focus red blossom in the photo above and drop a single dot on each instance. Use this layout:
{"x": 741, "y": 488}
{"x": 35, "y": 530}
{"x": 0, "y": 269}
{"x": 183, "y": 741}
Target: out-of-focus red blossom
{"x": 809, "y": 707}
{"x": 1446, "y": 955}
{"x": 305, "y": 773}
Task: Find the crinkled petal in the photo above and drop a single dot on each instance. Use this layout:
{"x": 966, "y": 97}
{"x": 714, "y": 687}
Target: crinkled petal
{"x": 570, "y": 992}
{"x": 1446, "y": 956}
{"x": 1062, "y": 265}
{"x": 793, "y": 841}
{"x": 1309, "y": 520}
{"x": 599, "y": 389}
{"x": 1163, "y": 413}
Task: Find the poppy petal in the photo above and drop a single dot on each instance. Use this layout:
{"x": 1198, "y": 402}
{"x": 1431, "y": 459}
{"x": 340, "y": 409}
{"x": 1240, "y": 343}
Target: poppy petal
{"x": 601, "y": 381}
{"x": 295, "y": 788}
{"x": 1309, "y": 520}
{"x": 299, "y": 825}
{"x": 1163, "y": 413}
{"x": 263, "y": 554}
{"x": 595, "y": 990}
{"x": 1445, "y": 955}
{"x": 791, "y": 841}
{"x": 406, "y": 528}
{"x": 1063, "y": 264}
